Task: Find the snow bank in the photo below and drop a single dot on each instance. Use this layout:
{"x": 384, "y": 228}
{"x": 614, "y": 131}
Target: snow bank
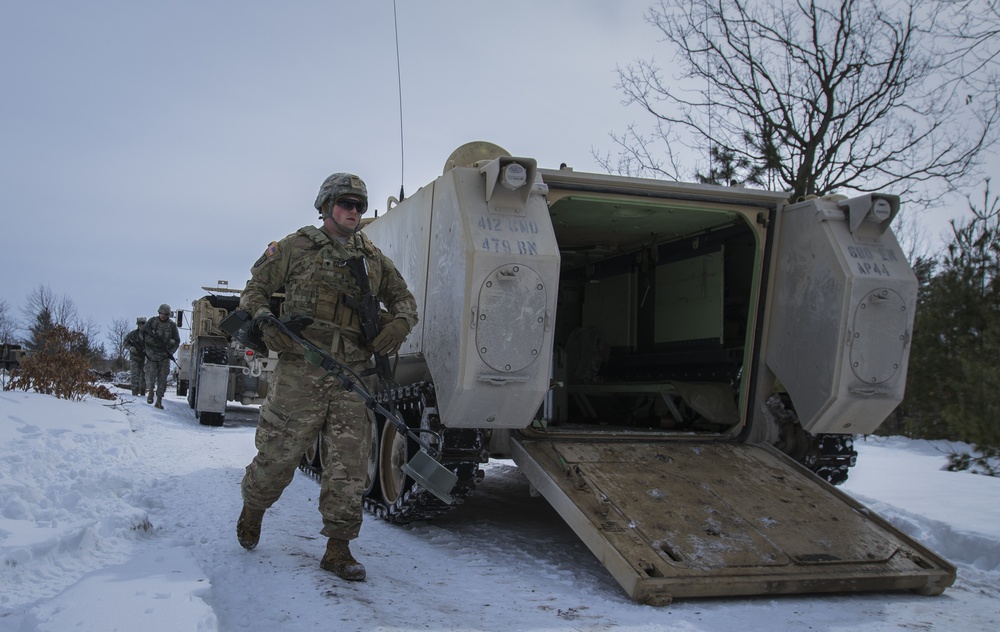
{"x": 956, "y": 514}
{"x": 113, "y": 520}
{"x": 66, "y": 473}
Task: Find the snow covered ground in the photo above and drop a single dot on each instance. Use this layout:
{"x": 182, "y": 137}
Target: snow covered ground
{"x": 122, "y": 518}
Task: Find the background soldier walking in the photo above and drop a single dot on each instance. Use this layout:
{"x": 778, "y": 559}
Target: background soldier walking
{"x": 161, "y": 339}
{"x": 137, "y": 357}
{"x": 303, "y": 403}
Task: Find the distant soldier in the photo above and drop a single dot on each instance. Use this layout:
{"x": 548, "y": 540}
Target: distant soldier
{"x": 137, "y": 357}
{"x": 160, "y": 338}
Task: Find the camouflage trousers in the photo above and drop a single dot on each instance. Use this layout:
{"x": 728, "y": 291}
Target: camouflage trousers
{"x": 156, "y": 376}
{"x": 137, "y": 372}
{"x": 300, "y": 407}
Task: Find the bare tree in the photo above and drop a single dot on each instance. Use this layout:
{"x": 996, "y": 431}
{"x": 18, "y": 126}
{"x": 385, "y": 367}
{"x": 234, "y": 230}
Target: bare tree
{"x": 120, "y": 328}
{"x": 42, "y": 300}
{"x": 8, "y": 325}
{"x": 975, "y": 40}
{"x": 817, "y": 96}
{"x": 913, "y": 238}
{"x": 91, "y": 332}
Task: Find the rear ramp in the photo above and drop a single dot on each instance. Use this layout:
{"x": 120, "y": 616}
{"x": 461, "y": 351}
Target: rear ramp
{"x": 678, "y": 519}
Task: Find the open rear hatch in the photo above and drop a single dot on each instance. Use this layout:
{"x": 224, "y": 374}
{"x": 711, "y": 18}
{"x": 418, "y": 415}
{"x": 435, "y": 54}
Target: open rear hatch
{"x": 676, "y": 519}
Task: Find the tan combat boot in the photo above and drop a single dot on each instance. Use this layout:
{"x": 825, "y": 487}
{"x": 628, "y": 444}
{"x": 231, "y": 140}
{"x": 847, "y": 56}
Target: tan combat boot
{"x": 149, "y": 398}
{"x": 159, "y": 402}
{"x": 338, "y": 560}
{"x": 248, "y": 528}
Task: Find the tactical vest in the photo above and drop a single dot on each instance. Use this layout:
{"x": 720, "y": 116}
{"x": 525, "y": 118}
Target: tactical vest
{"x": 160, "y": 338}
{"x": 316, "y": 286}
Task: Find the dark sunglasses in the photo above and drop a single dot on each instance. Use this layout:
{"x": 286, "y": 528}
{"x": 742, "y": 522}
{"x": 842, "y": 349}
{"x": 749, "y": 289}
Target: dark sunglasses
{"x": 353, "y": 205}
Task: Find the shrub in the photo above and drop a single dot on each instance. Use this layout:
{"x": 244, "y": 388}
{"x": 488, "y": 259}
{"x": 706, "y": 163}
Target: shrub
{"x": 57, "y": 367}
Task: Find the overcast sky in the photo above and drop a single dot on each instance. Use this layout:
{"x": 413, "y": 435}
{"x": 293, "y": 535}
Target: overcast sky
{"x": 150, "y": 148}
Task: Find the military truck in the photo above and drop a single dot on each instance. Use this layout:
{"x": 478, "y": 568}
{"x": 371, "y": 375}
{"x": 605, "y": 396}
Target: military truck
{"x": 11, "y": 356}
{"x": 677, "y": 368}
{"x": 213, "y": 369}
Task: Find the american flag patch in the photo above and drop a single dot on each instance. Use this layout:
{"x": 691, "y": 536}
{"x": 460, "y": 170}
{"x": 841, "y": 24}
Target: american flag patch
{"x": 272, "y": 249}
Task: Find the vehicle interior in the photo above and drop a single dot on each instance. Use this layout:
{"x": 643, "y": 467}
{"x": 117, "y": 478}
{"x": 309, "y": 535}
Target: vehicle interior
{"x": 655, "y": 306}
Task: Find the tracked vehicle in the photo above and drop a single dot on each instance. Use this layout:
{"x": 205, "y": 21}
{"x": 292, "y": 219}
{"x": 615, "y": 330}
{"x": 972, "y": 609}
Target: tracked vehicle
{"x": 678, "y": 369}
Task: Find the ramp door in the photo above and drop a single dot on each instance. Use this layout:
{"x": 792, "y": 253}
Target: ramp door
{"x": 675, "y": 519}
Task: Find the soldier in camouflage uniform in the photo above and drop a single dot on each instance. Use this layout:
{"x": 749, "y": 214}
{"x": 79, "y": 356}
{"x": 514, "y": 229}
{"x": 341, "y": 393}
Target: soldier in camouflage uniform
{"x": 137, "y": 357}
{"x": 161, "y": 339}
{"x": 301, "y": 405}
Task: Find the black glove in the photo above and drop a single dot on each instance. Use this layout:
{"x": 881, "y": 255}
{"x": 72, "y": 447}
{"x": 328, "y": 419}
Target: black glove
{"x": 388, "y": 341}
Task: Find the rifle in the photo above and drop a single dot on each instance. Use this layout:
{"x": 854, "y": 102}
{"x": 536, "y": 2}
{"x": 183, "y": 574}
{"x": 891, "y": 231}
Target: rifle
{"x": 423, "y": 467}
{"x": 368, "y": 313}
{"x": 157, "y": 343}
{"x": 136, "y": 341}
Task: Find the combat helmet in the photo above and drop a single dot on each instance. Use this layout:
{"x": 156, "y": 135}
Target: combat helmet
{"x": 339, "y": 185}
{"x": 164, "y": 309}
{"x": 140, "y": 320}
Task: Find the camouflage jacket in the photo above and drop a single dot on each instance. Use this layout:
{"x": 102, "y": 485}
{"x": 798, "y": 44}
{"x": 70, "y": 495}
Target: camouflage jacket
{"x": 309, "y": 265}
{"x": 133, "y": 342}
{"x": 160, "y": 338}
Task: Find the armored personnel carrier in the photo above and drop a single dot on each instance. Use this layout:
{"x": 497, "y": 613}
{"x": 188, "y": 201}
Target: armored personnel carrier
{"x": 679, "y": 369}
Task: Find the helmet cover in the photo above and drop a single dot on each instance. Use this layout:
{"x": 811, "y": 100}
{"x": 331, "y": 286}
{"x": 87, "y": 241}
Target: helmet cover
{"x": 339, "y": 185}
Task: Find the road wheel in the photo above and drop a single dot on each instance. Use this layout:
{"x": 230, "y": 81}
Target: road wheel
{"x": 395, "y": 450}
{"x": 371, "y": 476}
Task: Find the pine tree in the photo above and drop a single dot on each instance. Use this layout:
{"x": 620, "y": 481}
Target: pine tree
{"x": 954, "y": 374}
{"x": 37, "y": 330}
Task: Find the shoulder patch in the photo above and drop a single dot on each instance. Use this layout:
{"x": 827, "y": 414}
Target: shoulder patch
{"x": 270, "y": 251}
